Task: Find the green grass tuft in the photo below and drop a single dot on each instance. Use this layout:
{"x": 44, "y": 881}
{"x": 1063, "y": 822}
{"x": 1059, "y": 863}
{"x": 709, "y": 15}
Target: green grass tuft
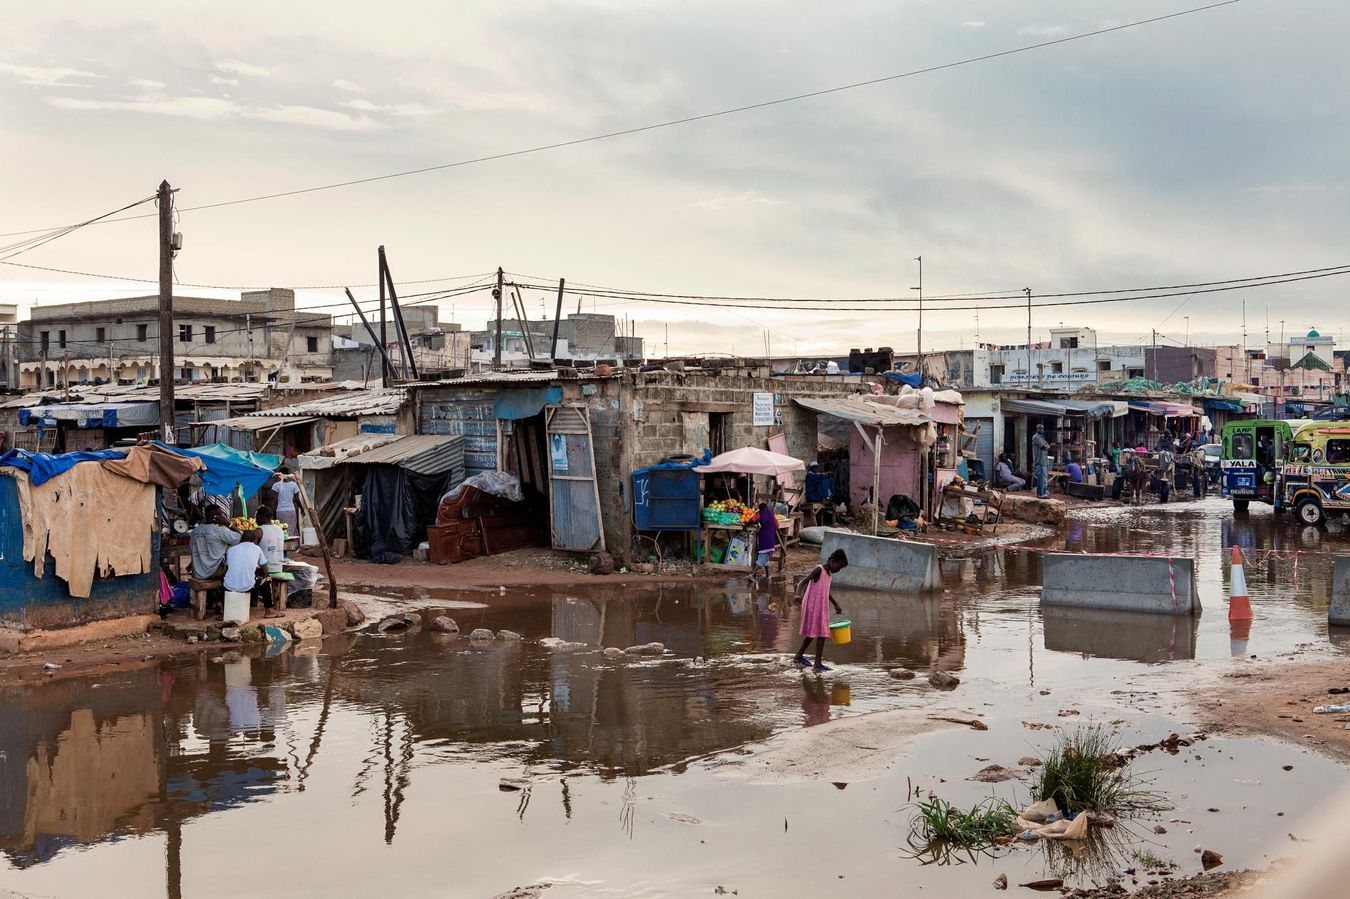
{"x": 1081, "y": 774}
{"x": 939, "y": 820}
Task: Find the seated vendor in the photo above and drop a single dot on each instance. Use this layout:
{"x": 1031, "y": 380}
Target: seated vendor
{"x": 273, "y": 537}
{"x": 245, "y": 562}
{"x": 1004, "y": 476}
{"x": 208, "y": 543}
{"x": 1075, "y": 472}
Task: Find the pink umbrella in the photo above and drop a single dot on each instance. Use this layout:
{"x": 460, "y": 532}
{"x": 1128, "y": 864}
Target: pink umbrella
{"x": 750, "y": 460}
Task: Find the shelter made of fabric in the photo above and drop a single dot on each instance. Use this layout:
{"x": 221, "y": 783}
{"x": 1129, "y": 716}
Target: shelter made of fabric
{"x": 151, "y": 464}
{"x": 92, "y": 521}
{"x": 751, "y": 460}
{"x": 42, "y": 467}
{"x": 227, "y": 466}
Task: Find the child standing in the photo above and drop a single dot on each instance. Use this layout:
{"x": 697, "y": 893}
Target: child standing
{"x": 767, "y": 542}
{"x": 814, "y": 592}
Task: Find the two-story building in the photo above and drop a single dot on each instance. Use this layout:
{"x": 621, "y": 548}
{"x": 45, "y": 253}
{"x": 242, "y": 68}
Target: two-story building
{"x": 258, "y": 337}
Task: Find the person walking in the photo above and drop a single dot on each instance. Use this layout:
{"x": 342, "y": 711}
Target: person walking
{"x": 766, "y": 543}
{"x": 814, "y": 592}
{"x": 1040, "y": 460}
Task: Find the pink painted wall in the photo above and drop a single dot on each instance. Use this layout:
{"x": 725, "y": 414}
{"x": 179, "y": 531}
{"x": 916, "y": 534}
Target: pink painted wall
{"x": 899, "y": 466}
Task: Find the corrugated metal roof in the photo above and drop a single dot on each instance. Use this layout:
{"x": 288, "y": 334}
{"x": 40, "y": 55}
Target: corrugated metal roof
{"x": 419, "y": 453}
{"x": 863, "y": 412}
{"x": 515, "y": 377}
{"x": 1033, "y": 407}
{"x": 360, "y": 402}
{"x": 259, "y": 423}
{"x": 331, "y": 454}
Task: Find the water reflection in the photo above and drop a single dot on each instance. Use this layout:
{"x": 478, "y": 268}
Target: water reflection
{"x": 1130, "y": 636}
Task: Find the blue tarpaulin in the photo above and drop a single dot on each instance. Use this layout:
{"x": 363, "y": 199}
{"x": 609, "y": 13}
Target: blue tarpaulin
{"x": 42, "y": 467}
{"x": 913, "y": 380}
{"x": 227, "y": 466}
{"x": 513, "y": 405}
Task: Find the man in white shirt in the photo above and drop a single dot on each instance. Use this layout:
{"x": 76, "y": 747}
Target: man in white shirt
{"x": 285, "y": 491}
{"x": 273, "y": 538}
{"x": 243, "y": 563}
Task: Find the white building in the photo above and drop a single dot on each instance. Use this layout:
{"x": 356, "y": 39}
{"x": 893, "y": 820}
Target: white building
{"x": 1069, "y": 358}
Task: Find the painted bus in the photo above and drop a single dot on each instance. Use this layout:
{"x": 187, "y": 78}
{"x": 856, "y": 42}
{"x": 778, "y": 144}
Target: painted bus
{"x": 1253, "y": 451}
{"x": 1315, "y": 479}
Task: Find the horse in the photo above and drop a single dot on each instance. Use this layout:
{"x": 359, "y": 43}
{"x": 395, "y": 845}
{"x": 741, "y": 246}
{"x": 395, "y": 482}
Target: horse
{"x": 1136, "y": 475}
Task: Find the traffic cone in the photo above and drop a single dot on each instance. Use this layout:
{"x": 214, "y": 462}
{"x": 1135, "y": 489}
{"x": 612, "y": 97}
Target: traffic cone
{"x": 1239, "y": 605}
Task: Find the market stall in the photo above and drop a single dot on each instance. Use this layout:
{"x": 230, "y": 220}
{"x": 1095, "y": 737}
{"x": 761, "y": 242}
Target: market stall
{"x": 731, "y": 519}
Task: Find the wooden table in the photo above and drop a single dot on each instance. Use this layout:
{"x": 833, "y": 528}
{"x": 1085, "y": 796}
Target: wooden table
{"x": 993, "y": 499}
{"x": 791, "y": 524}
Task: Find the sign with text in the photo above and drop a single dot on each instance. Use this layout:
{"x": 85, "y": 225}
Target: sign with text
{"x": 1050, "y": 377}
{"x": 763, "y": 410}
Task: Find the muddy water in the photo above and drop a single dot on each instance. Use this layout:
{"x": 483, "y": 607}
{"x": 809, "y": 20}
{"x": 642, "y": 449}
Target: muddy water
{"x": 372, "y": 764}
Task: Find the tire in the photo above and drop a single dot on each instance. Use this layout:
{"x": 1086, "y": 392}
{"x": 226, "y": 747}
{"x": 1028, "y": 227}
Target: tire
{"x": 1309, "y": 511}
{"x": 1240, "y": 506}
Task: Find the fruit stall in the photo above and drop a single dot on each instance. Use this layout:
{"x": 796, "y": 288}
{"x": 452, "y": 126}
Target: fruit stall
{"x": 729, "y": 525}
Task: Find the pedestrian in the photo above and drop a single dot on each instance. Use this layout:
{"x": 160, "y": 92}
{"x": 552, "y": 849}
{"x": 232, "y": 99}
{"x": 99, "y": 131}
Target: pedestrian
{"x": 201, "y": 502}
{"x": 1040, "y": 455}
{"x": 767, "y": 542}
{"x": 1199, "y": 477}
{"x": 814, "y": 592}
{"x": 1166, "y": 471}
{"x": 286, "y": 490}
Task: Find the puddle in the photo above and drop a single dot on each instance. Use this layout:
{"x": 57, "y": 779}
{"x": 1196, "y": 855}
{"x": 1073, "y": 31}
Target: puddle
{"x": 385, "y": 753}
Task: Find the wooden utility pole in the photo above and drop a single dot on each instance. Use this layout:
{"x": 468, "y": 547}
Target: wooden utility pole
{"x": 166, "y": 311}
{"x": 497, "y": 344}
{"x": 388, "y": 371}
{"x": 1027, "y": 291}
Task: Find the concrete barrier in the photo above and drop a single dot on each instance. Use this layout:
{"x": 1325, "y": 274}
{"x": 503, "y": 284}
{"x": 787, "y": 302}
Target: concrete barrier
{"x": 1124, "y": 583}
{"x": 882, "y": 563}
{"x": 1339, "y": 613}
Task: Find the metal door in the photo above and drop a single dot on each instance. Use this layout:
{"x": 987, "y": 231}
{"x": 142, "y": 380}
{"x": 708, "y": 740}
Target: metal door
{"x": 574, "y": 496}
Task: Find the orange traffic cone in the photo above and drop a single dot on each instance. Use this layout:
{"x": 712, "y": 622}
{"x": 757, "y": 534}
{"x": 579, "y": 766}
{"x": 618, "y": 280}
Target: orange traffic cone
{"x": 1239, "y": 605}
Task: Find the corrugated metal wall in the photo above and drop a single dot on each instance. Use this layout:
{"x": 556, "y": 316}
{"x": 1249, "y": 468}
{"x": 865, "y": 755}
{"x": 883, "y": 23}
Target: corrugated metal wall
{"x": 575, "y": 508}
{"x": 469, "y": 413}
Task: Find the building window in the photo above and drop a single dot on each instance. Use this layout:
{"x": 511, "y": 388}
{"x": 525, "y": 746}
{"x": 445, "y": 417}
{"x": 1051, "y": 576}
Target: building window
{"x": 45, "y": 339}
{"x": 100, "y": 335}
{"x": 210, "y": 333}
{"x": 1103, "y": 365}
{"x": 61, "y": 339}
{"x": 185, "y": 333}
{"x": 1068, "y": 343}
{"x": 142, "y": 333}
{"x": 1134, "y": 373}
{"x": 311, "y": 344}
{"x": 1057, "y": 368}
{"x": 996, "y": 374}
{"x": 185, "y": 374}
{"x": 1256, "y": 382}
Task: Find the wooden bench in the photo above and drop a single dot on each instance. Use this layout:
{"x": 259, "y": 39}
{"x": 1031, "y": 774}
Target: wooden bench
{"x": 199, "y": 589}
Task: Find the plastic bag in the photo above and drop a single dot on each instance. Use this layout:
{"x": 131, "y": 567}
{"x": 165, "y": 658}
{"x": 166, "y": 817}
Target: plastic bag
{"x": 498, "y": 483}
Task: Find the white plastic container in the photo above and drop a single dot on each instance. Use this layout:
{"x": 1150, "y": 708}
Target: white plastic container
{"x": 236, "y": 607}
{"x": 309, "y": 537}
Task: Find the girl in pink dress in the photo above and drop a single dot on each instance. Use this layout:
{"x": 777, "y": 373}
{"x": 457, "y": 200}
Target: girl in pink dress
{"x": 814, "y": 592}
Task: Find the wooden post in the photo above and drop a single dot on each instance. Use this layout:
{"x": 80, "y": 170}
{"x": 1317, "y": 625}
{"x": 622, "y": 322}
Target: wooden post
{"x": 166, "y": 311}
{"x": 497, "y": 344}
{"x": 557, "y": 317}
{"x": 323, "y": 545}
{"x": 876, "y": 482}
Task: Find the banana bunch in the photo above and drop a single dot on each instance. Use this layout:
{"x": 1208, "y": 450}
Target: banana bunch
{"x": 242, "y": 524}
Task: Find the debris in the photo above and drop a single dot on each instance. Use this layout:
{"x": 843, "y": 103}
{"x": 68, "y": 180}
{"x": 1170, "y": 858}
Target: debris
{"x": 192, "y": 638}
{"x": 400, "y": 621}
{"x": 943, "y": 680}
{"x": 443, "y": 624}
{"x": 1210, "y": 859}
{"x": 231, "y": 634}
{"x": 1001, "y": 882}
{"x": 1340, "y": 709}
{"x": 993, "y": 774}
{"x": 1050, "y": 883}
{"x": 1067, "y": 713}
{"x": 1159, "y": 829}
{"x": 1029, "y": 761}
{"x": 602, "y": 563}
{"x": 972, "y": 723}
{"x": 51, "y": 666}
{"x": 512, "y": 784}
{"x": 613, "y": 652}
{"x": 646, "y": 649}
{"x": 901, "y": 674}
{"x": 533, "y": 891}
{"x": 275, "y": 634}
{"x": 682, "y": 818}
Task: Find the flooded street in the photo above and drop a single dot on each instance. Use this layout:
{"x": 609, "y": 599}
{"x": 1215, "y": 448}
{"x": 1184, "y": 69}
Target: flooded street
{"x": 373, "y": 763}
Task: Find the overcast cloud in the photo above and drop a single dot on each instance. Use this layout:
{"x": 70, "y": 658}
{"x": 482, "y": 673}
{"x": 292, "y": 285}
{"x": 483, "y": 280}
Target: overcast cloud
{"x": 1201, "y": 148}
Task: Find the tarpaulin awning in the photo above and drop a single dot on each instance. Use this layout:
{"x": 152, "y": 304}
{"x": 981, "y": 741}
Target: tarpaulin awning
{"x": 1097, "y": 408}
{"x": 1169, "y": 410}
{"x": 227, "y": 466}
{"x": 154, "y": 465}
{"x": 94, "y": 415}
{"x": 1033, "y": 407}
{"x": 752, "y": 460}
{"x": 42, "y": 467}
{"x": 913, "y": 380}
{"x": 1220, "y": 404}
{"x": 518, "y": 403}
{"x": 877, "y": 415}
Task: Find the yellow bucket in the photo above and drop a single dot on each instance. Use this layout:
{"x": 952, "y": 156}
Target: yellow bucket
{"x": 841, "y": 632}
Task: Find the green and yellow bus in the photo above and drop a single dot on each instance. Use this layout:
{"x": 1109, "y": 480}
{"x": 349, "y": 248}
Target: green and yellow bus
{"x": 1253, "y": 451}
{"x": 1314, "y": 480}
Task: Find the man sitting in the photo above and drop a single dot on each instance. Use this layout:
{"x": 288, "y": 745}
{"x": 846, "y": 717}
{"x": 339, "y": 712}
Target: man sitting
{"x": 208, "y": 543}
{"x": 1004, "y": 476}
{"x": 244, "y": 562}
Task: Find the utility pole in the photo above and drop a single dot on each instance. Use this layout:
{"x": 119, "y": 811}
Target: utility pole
{"x": 919, "y": 344}
{"x": 386, "y": 373}
{"x": 497, "y": 344}
{"x": 1027, "y": 291}
{"x": 166, "y": 311}
{"x": 1155, "y": 355}
{"x": 557, "y": 317}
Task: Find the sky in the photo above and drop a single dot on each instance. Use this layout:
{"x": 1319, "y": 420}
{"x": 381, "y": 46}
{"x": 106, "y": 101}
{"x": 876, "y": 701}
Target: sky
{"x": 1202, "y": 148}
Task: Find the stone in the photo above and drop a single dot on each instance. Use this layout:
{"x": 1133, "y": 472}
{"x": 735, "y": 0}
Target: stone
{"x": 251, "y": 634}
{"x": 231, "y": 634}
{"x": 901, "y": 674}
{"x": 355, "y": 615}
{"x": 1001, "y": 882}
{"x": 481, "y": 634}
{"x": 602, "y": 563}
{"x": 509, "y": 636}
{"x": 192, "y": 638}
{"x": 943, "y": 680}
{"x": 646, "y": 649}
{"x": 320, "y": 600}
{"x": 644, "y": 568}
{"x": 401, "y": 621}
{"x": 1029, "y": 761}
{"x": 534, "y": 891}
{"x": 443, "y": 624}
{"x": 613, "y": 652}
{"x": 993, "y": 774}
{"x": 306, "y": 629}
{"x": 275, "y": 634}
{"x": 1210, "y": 859}
{"x": 1159, "y": 829}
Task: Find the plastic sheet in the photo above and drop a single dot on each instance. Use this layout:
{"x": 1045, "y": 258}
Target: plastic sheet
{"x": 396, "y": 507}
{"x": 498, "y": 483}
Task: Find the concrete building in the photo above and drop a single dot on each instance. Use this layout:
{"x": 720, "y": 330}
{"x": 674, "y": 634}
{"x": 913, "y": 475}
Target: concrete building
{"x": 582, "y": 336}
{"x": 9, "y": 349}
{"x": 1070, "y": 357}
{"x": 258, "y": 337}
{"x": 1175, "y": 364}
{"x": 440, "y": 348}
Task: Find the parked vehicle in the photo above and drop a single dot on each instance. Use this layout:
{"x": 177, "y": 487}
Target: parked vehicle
{"x": 1213, "y": 453}
{"x": 1314, "y": 480}
{"x": 1249, "y": 464}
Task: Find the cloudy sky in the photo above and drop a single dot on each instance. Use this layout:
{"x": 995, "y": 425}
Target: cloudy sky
{"x": 1206, "y": 147}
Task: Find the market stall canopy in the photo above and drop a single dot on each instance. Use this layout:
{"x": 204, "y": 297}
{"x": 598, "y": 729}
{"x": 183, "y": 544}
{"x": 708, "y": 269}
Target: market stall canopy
{"x": 93, "y": 415}
{"x": 1097, "y": 408}
{"x": 1034, "y": 407}
{"x": 151, "y": 464}
{"x": 227, "y": 466}
{"x": 751, "y": 460}
{"x": 1168, "y": 410}
{"x": 877, "y": 415}
{"x": 42, "y": 467}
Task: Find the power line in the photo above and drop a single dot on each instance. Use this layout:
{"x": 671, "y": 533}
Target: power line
{"x": 107, "y": 277}
{"x": 23, "y": 246}
{"x": 735, "y": 110}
